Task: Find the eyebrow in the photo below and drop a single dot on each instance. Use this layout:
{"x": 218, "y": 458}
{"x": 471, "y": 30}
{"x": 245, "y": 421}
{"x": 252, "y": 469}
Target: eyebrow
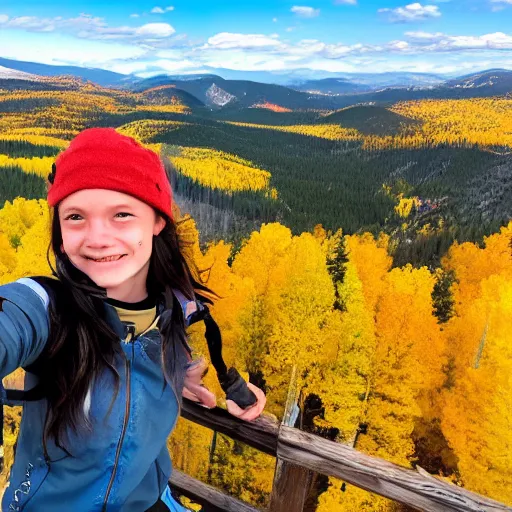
{"x": 115, "y": 207}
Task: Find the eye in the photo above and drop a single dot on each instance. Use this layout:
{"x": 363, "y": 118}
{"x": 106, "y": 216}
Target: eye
{"x": 72, "y": 215}
{"x": 124, "y": 213}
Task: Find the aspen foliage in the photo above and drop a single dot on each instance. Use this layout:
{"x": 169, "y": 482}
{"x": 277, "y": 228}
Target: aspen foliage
{"x": 40, "y": 166}
{"x": 381, "y": 360}
{"x": 479, "y": 342}
{"x": 24, "y": 229}
{"x": 41, "y": 140}
{"x": 408, "y": 363}
{"x": 482, "y": 438}
{"x": 483, "y": 121}
{"x": 348, "y": 498}
{"x": 460, "y": 123}
{"x": 144, "y": 131}
{"x": 405, "y": 205}
{"x": 220, "y": 170}
{"x": 323, "y": 131}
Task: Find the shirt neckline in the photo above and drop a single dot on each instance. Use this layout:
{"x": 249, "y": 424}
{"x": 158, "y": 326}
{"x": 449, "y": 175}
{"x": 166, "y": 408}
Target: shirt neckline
{"x": 148, "y": 303}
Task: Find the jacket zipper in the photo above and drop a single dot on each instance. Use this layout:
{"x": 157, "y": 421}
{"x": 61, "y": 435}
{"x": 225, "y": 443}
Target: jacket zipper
{"x": 125, "y": 425}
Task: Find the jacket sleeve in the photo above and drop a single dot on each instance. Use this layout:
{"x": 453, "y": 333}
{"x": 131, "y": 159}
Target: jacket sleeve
{"x": 24, "y": 324}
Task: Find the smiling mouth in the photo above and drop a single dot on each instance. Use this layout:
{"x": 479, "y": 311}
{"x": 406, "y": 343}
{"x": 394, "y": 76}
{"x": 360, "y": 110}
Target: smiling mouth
{"x": 106, "y": 259}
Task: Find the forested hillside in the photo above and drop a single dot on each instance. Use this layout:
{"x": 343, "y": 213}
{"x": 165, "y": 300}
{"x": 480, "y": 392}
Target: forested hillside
{"x": 371, "y": 247}
{"x": 347, "y": 168}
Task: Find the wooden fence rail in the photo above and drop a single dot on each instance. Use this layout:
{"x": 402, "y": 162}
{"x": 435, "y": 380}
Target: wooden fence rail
{"x": 415, "y": 488}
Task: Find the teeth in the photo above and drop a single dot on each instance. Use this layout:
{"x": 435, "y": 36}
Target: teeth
{"x": 111, "y": 258}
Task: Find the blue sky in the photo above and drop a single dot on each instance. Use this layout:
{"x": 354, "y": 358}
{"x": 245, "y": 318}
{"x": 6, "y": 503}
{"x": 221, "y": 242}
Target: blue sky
{"x": 184, "y": 36}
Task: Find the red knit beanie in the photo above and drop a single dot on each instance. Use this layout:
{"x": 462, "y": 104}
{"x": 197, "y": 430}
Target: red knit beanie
{"x": 103, "y": 158}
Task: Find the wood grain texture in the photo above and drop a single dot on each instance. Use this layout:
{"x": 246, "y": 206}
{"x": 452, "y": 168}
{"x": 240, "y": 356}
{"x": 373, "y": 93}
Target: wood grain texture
{"x": 291, "y": 482}
{"x": 210, "y": 498}
{"x": 417, "y": 489}
{"x": 260, "y": 433}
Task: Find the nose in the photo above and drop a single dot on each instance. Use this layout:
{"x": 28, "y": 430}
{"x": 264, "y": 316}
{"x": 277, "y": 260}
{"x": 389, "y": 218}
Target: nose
{"x": 98, "y": 234}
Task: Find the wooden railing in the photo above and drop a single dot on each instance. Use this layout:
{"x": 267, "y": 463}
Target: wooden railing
{"x": 301, "y": 455}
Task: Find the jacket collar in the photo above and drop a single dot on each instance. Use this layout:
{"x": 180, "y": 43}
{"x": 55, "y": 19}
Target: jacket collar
{"x": 122, "y": 329}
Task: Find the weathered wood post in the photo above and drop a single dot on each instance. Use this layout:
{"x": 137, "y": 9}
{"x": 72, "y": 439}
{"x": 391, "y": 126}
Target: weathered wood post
{"x": 291, "y": 482}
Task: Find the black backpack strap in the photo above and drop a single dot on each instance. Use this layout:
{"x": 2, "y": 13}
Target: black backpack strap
{"x": 231, "y": 381}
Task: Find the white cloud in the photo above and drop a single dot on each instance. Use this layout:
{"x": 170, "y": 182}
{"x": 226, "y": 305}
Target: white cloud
{"x": 86, "y": 26}
{"x": 499, "y": 5}
{"x": 129, "y": 67}
{"x": 411, "y": 13}
{"x": 424, "y": 36}
{"x": 69, "y": 51}
{"x": 153, "y": 47}
{"x": 345, "y": 2}
{"x": 440, "y": 42}
{"x": 173, "y": 66}
{"x": 159, "y": 10}
{"x": 227, "y": 40}
{"x": 304, "y": 11}
{"x": 155, "y": 30}
{"x": 134, "y": 15}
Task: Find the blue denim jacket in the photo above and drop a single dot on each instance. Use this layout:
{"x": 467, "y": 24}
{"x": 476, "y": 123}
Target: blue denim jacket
{"x": 124, "y": 464}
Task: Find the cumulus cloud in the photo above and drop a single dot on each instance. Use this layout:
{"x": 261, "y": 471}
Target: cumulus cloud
{"x": 304, "y": 11}
{"x": 411, "y": 13}
{"x": 155, "y": 30}
{"x": 154, "y": 46}
{"x": 160, "y": 10}
{"x": 499, "y": 5}
{"x": 86, "y": 26}
{"x": 414, "y": 43}
{"x": 439, "y": 42}
{"x": 227, "y": 41}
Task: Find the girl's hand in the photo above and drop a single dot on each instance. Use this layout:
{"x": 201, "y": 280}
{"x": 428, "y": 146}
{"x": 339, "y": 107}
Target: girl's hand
{"x": 193, "y": 387}
{"x": 252, "y": 412}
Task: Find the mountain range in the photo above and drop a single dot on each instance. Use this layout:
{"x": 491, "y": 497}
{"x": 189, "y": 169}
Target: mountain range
{"x": 227, "y": 89}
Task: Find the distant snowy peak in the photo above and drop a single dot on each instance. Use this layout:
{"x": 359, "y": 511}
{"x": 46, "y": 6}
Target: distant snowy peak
{"x": 219, "y": 97}
{"x": 479, "y": 81}
{"x": 494, "y": 78}
{"x": 15, "y": 74}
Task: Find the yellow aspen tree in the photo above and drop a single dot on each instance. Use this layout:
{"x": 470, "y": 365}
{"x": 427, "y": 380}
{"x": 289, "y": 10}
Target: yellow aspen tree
{"x": 26, "y": 223}
{"x": 7, "y": 256}
{"x": 342, "y": 381}
{"x": 471, "y": 266}
{"x": 302, "y": 298}
{"x": 408, "y": 364}
{"x": 477, "y": 414}
{"x": 372, "y": 263}
{"x": 258, "y": 260}
{"x": 342, "y": 497}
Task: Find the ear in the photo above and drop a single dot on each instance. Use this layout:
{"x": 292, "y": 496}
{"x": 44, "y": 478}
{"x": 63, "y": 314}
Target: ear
{"x": 159, "y": 225}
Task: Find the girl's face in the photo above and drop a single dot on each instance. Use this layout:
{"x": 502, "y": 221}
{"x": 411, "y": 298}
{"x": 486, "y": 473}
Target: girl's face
{"x": 101, "y": 231}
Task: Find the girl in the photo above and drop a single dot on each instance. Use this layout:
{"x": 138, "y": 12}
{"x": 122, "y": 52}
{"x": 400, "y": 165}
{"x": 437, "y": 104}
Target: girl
{"x": 110, "y": 343}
